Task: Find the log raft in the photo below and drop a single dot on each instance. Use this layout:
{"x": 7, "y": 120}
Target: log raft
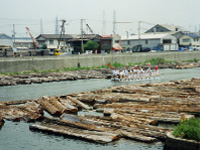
{"x": 131, "y": 112}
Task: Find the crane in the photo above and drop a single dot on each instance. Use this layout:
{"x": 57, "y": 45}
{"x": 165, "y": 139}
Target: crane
{"x": 34, "y": 41}
{"x": 89, "y": 28}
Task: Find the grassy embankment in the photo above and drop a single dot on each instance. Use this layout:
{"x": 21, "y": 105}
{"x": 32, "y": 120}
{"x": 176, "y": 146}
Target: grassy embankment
{"x": 154, "y": 61}
{"x": 188, "y": 129}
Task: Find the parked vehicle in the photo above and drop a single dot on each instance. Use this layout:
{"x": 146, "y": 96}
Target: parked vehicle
{"x": 139, "y": 48}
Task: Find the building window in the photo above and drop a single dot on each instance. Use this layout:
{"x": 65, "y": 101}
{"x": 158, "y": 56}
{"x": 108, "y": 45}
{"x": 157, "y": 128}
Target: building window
{"x": 105, "y": 43}
{"x": 186, "y": 40}
{"x": 117, "y": 41}
{"x": 146, "y": 41}
{"x": 167, "y": 41}
{"x": 128, "y": 42}
{"x": 51, "y": 42}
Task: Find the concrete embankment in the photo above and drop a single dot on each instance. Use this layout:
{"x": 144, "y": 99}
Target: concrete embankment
{"x": 72, "y": 61}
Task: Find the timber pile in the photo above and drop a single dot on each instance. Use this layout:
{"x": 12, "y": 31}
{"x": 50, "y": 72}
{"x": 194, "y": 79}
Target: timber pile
{"x": 131, "y": 112}
{"x": 50, "y": 77}
{"x": 28, "y": 112}
{"x": 186, "y": 65}
{"x": 76, "y": 75}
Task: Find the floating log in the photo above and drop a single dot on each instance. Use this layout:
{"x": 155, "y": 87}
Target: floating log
{"x": 132, "y": 119}
{"x": 82, "y": 105}
{"x": 57, "y": 104}
{"x": 81, "y": 123}
{"x": 68, "y": 106}
{"x": 100, "y": 137}
{"x": 1, "y": 120}
{"x": 17, "y": 114}
{"x": 49, "y": 107}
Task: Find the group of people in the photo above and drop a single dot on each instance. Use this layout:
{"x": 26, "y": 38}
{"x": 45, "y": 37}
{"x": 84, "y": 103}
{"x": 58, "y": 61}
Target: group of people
{"x": 136, "y": 73}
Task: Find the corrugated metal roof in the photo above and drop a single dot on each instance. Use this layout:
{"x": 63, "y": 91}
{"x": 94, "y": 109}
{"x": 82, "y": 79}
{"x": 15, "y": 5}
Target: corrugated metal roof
{"x": 68, "y": 36}
{"x": 192, "y": 35}
{"x": 172, "y": 27}
{"x": 146, "y": 36}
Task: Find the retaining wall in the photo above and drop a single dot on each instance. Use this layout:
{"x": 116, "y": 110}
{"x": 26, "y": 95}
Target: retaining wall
{"x": 173, "y": 143}
{"x": 56, "y": 62}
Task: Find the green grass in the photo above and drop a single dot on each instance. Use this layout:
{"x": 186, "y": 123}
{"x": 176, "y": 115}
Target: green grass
{"x": 158, "y": 61}
{"x": 153, "y": 61}
{"x": 193, "y": 60}
{"x": 188, "y": 129}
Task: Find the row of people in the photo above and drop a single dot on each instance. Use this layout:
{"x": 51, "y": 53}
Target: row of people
{"x": 136, "y": 73}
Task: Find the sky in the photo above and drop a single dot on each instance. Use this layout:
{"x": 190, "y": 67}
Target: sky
{"x": 40, "y": 15}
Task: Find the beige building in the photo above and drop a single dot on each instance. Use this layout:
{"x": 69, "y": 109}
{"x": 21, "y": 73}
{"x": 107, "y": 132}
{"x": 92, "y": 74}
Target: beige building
{"x": 189, "y": 39}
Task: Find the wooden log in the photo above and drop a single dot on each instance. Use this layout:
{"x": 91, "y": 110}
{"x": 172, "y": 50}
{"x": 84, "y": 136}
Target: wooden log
{"x": 56, "y": 102}
{"x": 68, "y": 106}
{"x": 139, "y": 129}
{"x": 161, "y": 108}
{"x": 158, "y": 116}
{"x": 137, "y": 137}
{"x": 49, "y": 107}
{"x": 15, "y": 113}
{"x": 1, "y": 120}
{"x": 82, "y": 105}
{"x": 15, "y": 102}
{"x": 82, "y": 124}
{"x": 100, "y": 137}
{"x": 33, "y": 107}
{"x": 132, "y": 119}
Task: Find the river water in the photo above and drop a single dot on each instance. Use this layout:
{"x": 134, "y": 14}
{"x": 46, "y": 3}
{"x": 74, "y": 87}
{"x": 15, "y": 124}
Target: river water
{"x": 17, "y": 136}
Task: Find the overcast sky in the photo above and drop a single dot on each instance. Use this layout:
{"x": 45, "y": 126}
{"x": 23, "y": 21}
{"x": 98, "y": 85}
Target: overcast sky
{"x": 31, "y": 13}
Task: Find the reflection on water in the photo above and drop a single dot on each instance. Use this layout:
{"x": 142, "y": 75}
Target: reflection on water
{"x": 18, "y": 136}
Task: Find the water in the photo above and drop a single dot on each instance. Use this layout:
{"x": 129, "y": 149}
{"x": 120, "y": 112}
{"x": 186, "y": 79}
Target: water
{"x": 14, "y": 136}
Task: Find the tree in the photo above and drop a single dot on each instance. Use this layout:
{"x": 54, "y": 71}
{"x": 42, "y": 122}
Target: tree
{"x": 91, "y": 45}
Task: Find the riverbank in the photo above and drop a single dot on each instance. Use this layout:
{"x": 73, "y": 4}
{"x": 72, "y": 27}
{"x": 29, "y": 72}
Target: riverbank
{"x": 86, "y": 73}
{"x": 133, "y": 111}
{"x": 73, "y": 61}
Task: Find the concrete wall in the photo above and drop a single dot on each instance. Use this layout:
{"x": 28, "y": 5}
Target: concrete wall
{"x": 56, "y": 62}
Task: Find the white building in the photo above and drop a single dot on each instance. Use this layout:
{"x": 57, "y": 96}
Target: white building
{"x": 189, "y": 39}
{"x": 5, "y": 40}
{"x": 151, "y": 40}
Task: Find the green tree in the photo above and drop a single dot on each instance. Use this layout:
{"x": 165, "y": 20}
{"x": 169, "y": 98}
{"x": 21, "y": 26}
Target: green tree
{"x": 91, "y": 45}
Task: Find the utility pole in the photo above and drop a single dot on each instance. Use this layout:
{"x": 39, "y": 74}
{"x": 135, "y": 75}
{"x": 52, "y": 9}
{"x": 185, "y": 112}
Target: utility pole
{"x": 13, "y": 35}
{"x": 41, "y": 26}
{"x": 56, "y": 28}
{"x": 104, "y": 24}
{"x": 62, "y": 33}
{"x": 114, "y": 22}
{"x": 139, "y": 31}
{"x": 82, "y": 47}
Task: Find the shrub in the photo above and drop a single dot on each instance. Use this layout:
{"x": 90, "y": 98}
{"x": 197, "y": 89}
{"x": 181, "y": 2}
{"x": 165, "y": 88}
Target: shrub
{"x": 188, "y": 129}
